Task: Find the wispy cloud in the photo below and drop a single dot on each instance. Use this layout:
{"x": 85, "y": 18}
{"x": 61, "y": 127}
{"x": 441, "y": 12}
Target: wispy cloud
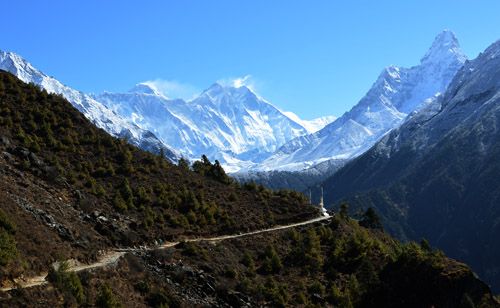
{"x": 173, "y": 88}
{"x": 237, "y": 82}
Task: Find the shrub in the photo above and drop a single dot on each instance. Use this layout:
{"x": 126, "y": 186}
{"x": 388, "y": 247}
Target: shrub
{"x": 67, "y": 282}
{"x": 161, "y": 299}
{"x": 272, "y": 263}
{"x": 8, "y": 250}
{"x": 276, "y": 293}
{"x": 106, "y": 298}
{"x": 143, "y": 287}
{"x": 344, "y": 211}
{"x": 371, "y": 220}
{"x": 183, "y": 164}
{"x": 317, "y": 288}
{"x": 6, "y": 223}
{"x": 119, "y": 203}
{"x": 215, "y": 171}
{"x": 127, "y": 194}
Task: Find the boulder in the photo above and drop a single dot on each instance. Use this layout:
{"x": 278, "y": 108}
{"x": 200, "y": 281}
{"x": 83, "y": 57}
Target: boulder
{"x": 4, "y": 141}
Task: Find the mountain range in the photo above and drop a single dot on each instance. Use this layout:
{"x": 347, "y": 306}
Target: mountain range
{"x": 231, "y": 124}
{"x": 228, "y": 123}
{"x": 245, "y": 132}
{"x": 87, "y": 220}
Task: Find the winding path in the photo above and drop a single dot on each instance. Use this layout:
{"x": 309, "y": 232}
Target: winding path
{"x": 113, "y": 256}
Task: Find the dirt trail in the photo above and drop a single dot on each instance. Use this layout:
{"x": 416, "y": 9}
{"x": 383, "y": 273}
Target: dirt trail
{"x": 227, "y": 237}
{"x": 107, "y": 259}
{"x": 112, "y": 257}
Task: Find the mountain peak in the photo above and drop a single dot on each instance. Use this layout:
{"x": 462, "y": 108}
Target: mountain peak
{"x": 445, "y": 46}
{"x": 13, "y": 57}
{"x": 217, "y": 89}
{"x": 446, "y": 37}
{"x": 14, "y": 63}
{"x": 145, "y": 88}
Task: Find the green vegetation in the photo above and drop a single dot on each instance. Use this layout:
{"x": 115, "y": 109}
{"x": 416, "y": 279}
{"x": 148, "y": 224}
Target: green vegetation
{"x": 272, "y": 262}
{"x": 67, "y": 282}
{"x": 193, "y": 249}
{"x": 206, "y": 168}
{"x": 106, "y": 298}
{"x": 6, "y": 223}
{"x": 371, "y": 220}
{"x": 142, "y": 197}
{"x": 345, "y": 265}
{"x": 57, "y": 143}
{"x": 307, "y": 251}
{"x": 8, "y": 249}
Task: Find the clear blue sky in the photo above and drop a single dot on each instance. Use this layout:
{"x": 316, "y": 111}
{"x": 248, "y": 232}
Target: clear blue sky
{"x": 310, "y": 57}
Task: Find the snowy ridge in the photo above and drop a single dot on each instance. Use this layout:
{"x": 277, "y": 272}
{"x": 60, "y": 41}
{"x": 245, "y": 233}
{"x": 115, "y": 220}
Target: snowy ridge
{"x": 397, "y": 92}
{"x": 96, "y": 112}
{"x": 228, "y": 123}
{"x": 313, "y": 125}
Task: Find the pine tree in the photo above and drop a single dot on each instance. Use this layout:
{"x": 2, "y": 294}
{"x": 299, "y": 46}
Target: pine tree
{"x": 106, "y": 298}
{"x": 344, "y": 211}
{"x": 370, "y": 220}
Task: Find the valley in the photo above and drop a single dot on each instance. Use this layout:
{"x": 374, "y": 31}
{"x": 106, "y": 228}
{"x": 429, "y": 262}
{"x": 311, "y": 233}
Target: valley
{"x": 250, "y": 154}
{"x": 88, "y": 198}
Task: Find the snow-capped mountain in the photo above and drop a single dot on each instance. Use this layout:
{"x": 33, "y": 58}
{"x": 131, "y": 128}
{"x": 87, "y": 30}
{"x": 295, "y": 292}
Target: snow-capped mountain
{"x": 96, "y": 112}
{"x": 313, "y": 125}
{"x": 231, "y": 124}
{"x": 437, "y": 175}
{"x": 397, "y": 92}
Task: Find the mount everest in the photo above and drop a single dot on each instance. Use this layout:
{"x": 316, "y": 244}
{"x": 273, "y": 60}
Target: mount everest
{"x": 231, "y": 124}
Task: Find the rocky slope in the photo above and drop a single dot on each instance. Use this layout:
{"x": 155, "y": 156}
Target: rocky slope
{"x": 338, "y": 264}
{"x": 437, "y": 175}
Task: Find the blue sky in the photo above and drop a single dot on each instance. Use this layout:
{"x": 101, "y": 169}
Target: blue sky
{"x": 311, "y": 57}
